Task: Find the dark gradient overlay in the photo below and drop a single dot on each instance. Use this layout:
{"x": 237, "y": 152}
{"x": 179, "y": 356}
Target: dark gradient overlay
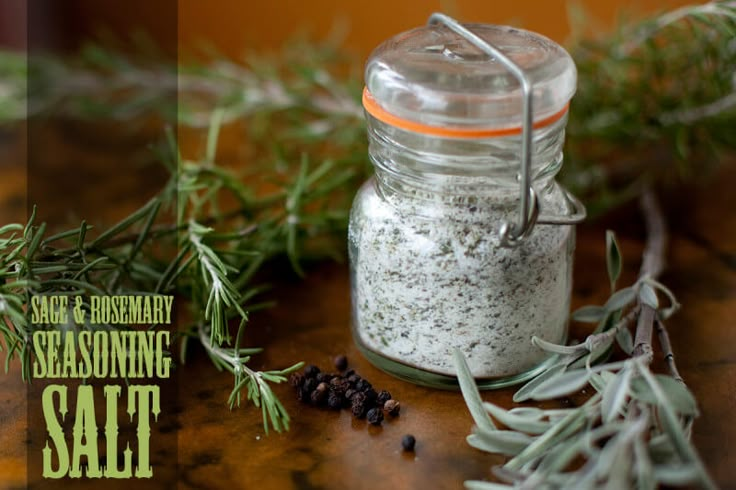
{"x": 90, "y": 166}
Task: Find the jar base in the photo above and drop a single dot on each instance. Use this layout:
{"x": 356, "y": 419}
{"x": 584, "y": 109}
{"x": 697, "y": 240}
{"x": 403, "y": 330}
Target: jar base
{"x": 420, "y": 377}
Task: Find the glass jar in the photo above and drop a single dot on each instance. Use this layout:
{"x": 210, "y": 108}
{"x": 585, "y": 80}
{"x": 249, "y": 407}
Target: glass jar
{"x": 457, "y": 241}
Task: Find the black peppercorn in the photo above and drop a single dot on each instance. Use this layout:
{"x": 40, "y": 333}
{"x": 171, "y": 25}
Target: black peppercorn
{"x": 349, "y": 393}
{"x": 318, "y": 397}
{"x": 359, "y": 405}
{"x": 339, "y": 385}
{"x": 392, "y": 407}
{"x": 408, "y": 442}
{"x": 341, "y": 363}
{"x": 370, "y": 396}
{"x": 311, "y": 371}
{"x": 324, "y": 377}
{"x": 296, "y": 380}
{"x": 335, "y": 401}
{"x": 354, "y": 378}
{"x": 310, "y": 384}
{"x": 362, "y": 385}
{"x": 375, "y": 416}
{"x": 322, "y": 387}
{"x": 349, "y": 373}
{"x": 383, "y": 397}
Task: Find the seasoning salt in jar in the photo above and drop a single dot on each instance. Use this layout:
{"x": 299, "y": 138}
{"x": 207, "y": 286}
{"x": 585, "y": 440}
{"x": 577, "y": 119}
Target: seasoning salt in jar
{"x": 463, "y": 238}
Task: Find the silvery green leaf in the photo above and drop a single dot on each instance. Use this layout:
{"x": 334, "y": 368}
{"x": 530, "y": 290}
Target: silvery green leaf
{"x": 608, "y": 320}
{"x": 620, "y": 299}
{"x": 528, "y": 412}
{"x": 676, "y": 474}
{"x": 507, "y": 442}
{"x": 552, "y": 437}
{"x": 677, "y": 394}
{"x": 478, "y": 443}
{"x": 607, "y": 376}
{"x": 660, "y": 448}
{"x": 672, "y": 426}
{"x": 648, "y": 296}
{"x": 586, "y": 479}
{"x": 615, "y": 394}
{"x": 562, "y": 456}
{"x": 485, "y": 485}
{"x": 525, "y": 391}
{"x": 556, "y": 348}
{"x": 471, "y": 393}
{"x": 597, "y": 382}
{"x": 565, "y": 384}
{"x": 516, "y": 422}
{"x": 589, "y": 314}
{"x": 620, "y": 467}
{"x": 614, "y": 262}
{"x": 598, "y": 342}
{"x": 623, "y": 337}
{"x": 508, "y": 475}
{"x": 644, "y": 473}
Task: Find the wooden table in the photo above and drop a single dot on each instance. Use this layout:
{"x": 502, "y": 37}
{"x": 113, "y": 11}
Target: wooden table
{"x": 217, "y": 448}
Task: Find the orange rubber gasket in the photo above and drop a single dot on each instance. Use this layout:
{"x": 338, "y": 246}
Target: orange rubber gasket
{"x": 375, "y": 110}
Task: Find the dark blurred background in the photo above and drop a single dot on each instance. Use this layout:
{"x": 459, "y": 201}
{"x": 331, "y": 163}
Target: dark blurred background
{"x": 235, "y": 26}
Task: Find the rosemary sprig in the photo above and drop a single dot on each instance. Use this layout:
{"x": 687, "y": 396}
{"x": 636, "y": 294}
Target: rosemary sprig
{"x": 654, "y": 104}
{"x": 213, "y": 266}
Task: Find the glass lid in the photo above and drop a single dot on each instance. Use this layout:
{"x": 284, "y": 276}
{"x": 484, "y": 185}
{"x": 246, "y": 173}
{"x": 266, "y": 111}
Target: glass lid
{"x": 431, "y": 76}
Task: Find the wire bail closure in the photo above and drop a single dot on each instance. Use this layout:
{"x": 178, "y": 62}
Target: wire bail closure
{"x": 512, "y": 234}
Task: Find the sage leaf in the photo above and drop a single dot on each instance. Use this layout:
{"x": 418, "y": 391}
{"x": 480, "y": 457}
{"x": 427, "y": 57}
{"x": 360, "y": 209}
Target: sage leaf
{"x": 660, "y": 448}
{"x": 557, "y": 348}
{"x": 618, "y": 473}
{"x": 597, "y": 382}
{"x": 648, "y": 296}
{"x": 507, "y": 442}
{"x": 558, "y": 432}
{"x": 563, "y": 455}
{"x": 485, "y": 485}
{"x": 623, "y": 337}
{"x": 562, "y": 385}
{"x": 676, "y": 474}
{"x": 677, "y": 394}
{"x": 614, "y": 262}
{"x": 620, "y": 299}
{"x": 672, "y": 426}
{"x": 470, "y": 393}
{"x": 524, "y": 393}
{"x": 615, "y": 394}
{"x": 516, "y": 422}
{"x": 643, "y": 465}
{"x": 589, "y": 314}
{"x": 528, "y": 412}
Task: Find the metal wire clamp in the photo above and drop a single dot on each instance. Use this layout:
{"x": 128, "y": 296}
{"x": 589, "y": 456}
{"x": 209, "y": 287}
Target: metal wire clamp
{"x": 512, "y": 234}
